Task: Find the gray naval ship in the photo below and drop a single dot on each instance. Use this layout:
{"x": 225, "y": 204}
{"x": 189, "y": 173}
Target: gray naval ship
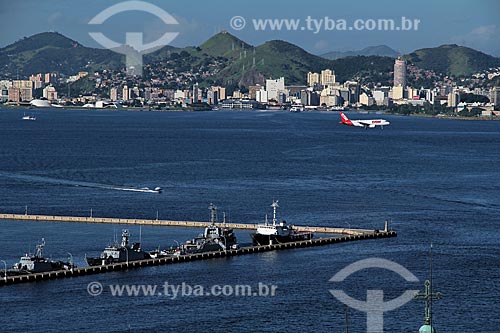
{"x": 36, "y": 263}
{"x": 214, "y": 238}
{"x": 122, "y": 252}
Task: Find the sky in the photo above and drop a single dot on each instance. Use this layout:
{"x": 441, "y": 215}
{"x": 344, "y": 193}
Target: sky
{"x": 472, "y": 23}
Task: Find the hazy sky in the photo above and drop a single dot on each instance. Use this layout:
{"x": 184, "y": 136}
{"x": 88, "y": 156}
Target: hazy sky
{"x": 473, "y": 23}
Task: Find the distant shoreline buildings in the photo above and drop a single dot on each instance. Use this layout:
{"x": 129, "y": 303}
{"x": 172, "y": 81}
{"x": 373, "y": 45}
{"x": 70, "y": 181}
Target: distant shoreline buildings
{"x": 321, "y": 91}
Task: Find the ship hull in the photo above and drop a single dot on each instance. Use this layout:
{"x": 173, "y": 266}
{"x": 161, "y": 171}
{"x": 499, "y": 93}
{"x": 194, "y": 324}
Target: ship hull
{"x": 133, "y": 256}
{"x": 259, "y": 239}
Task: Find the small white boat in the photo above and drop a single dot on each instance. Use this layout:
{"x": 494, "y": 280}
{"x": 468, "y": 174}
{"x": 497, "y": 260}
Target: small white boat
{"x": 297, "y": 108}
{"x": 25, "y": 117}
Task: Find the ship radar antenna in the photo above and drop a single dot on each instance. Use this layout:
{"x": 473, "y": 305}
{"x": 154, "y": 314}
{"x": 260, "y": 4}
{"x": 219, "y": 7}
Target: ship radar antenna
{"x": 428, "y": 295}
{"x": 39, "y": 249}
{"x": 213, "y": 213}
{"x": 275, "y": 206}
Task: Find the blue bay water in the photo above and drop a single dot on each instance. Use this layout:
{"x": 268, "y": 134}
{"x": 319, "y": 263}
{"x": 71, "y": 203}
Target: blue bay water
{"x": 436, "y": 180}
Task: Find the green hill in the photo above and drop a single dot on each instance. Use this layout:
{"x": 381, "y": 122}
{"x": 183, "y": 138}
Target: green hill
{"x": 51, "y": 51}
{"x": 237, "y": 63}
{"x": 379, "y": 50}
{"x": 248, "y": 65}
{"x": 452, "y": 60}
{"x": 224, "y": 44}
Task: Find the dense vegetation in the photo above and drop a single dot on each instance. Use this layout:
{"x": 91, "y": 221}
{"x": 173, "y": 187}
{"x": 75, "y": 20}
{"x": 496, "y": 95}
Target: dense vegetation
{"x": 52, "y": 52}
{"x": 227, "y": 60}
{"x": 452, "y": 60}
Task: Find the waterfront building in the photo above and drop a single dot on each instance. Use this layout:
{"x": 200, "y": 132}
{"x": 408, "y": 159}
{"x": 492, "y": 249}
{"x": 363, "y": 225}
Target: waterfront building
{"x": 252, "y": 91}
{"x": 196, "y": 93}
{"x": 274, "y": 87}
{"x": 366, "y": 100}
{"x": 125, "y": 93}
{"x": 220, "y": 91}
{"x": 261, "y": 96}
{"x": 50, "y": 93}
{"x": 495, "y": 96}
{"x": 113, "y": 94}
{"x": 453, "y": 99}
{"x": 14, "y": 94}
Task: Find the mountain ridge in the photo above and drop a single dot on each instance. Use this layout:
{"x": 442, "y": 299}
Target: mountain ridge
{"x": 242, "y": 64}
{"x": 378, "y": 50}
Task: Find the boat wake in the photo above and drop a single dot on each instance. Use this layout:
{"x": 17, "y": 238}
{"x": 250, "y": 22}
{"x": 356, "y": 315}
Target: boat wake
{"x": 66, "y": 182}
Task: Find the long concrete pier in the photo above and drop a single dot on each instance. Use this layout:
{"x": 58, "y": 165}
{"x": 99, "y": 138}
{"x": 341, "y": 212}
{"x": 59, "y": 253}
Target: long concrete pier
{"x": 190, "y": 224}
{"x": 90, "y": 270}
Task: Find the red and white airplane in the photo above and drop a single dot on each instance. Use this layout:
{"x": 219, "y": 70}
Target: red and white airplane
{"x": 366, "y": 123}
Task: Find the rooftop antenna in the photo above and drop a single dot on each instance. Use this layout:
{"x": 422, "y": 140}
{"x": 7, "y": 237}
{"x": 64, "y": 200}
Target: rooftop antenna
{"x": 267, "y": 223}
{"x": 274, "y": 205}
{"x": 224, "y": 217}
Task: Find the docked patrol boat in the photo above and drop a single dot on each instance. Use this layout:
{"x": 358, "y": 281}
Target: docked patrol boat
{"x": 276, "y": 233}
{"x": 122, "y": 252}
{"x": 214, "y": 238}
{"x": 38, "y": 264}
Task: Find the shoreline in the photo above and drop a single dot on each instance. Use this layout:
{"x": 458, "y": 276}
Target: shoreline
{"x": 139, "y": 109}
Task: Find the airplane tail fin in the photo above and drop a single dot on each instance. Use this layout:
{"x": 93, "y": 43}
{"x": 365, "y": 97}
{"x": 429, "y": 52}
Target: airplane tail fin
{"x": 344, "y": 119}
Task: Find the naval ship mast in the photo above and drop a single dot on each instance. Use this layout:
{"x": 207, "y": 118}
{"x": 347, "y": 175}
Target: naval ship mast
{"x": 275, "y": 206}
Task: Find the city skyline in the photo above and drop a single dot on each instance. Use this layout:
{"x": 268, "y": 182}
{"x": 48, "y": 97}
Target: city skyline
{"x": 471, "y": 24}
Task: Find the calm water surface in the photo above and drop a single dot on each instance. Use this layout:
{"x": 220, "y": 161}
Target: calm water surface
{"x": 437, "y": 181}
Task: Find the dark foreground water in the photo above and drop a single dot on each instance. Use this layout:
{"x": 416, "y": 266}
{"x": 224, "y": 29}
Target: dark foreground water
{"x": 437, "y": 181}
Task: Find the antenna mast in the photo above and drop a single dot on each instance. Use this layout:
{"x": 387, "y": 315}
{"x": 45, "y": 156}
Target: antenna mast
{"x": 213, "y": 213}
{"x": 275, "y": 206}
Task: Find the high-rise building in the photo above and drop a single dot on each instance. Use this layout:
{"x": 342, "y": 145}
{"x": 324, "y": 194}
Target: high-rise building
{"x": 50, "y": 93}
{"x": 213, "y": 96}
{"x": 398, "y": 92}
{"x": 495, "y": 96}
{"x": 14, "y": 94}
{"x": 327, "y": 77}
{"x": 25, "y": 89}
{"x": 274, "y": 87}
{"x": 221, "y": 92}
{"x": 113, "y": 94}
{"x": 400, "y": 72}
{"x": 354, "y": 90}
{"x": 261, "y": 96}
{"x": 453, "y": 99}
{"x": 252, "y": 91}
{"x": 196, "y": 96}
{"x": 125, "y": 93}
{"x": 312, "y": 79}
